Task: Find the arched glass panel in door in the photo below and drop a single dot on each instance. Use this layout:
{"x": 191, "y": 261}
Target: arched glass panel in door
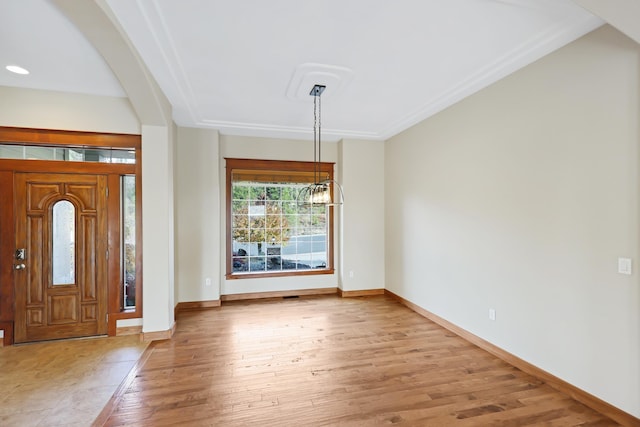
{"x": 63, "y": 243}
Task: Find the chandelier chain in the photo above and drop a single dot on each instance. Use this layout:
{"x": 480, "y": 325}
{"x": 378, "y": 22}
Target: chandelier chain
{"x": 321, "y": 191}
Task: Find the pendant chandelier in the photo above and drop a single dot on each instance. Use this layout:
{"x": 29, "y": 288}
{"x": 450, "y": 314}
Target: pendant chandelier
{"x": 320, "y": 192}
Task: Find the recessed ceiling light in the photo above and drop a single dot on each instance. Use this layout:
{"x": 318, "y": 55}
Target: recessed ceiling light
{"x": 16, "y": 69}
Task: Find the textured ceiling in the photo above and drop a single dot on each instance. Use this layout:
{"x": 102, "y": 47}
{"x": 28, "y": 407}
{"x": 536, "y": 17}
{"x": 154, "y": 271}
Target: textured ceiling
{"x": 243, "y": 66}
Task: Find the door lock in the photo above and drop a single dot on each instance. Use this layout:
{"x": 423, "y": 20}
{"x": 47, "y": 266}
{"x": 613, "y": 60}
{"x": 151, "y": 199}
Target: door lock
{"x": 19, "y": 266}
{"x": 21, "y": 254}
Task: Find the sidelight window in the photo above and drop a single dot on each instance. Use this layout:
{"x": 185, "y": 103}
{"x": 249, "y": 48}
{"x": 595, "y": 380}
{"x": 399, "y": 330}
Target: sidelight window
{"x": 128, "y": 240}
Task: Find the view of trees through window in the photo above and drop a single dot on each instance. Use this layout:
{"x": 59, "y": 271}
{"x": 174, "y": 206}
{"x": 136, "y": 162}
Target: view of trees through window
{"x": 270, "y": 232}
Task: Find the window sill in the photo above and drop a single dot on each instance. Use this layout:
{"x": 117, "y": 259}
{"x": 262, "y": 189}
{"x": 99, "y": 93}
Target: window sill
{"x": 239, "y": 276}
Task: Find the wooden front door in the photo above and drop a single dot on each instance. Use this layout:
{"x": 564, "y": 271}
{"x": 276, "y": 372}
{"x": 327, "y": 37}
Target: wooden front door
{"x": 61, "y": 275}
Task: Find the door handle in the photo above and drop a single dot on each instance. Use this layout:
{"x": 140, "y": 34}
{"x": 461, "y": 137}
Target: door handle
{"x": 19, "y": 266}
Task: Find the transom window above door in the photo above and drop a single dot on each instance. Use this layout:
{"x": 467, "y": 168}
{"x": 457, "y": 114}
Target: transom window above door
{"x": 67, "y": 154}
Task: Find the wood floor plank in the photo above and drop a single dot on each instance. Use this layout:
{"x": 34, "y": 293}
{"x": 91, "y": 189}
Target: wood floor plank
{"x": 325, "y": 361}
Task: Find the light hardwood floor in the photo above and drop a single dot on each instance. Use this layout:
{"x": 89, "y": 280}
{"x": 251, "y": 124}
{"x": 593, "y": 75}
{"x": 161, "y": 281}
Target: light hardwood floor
{"x": 63, "y": 383}
{"x": 325, "y": 361}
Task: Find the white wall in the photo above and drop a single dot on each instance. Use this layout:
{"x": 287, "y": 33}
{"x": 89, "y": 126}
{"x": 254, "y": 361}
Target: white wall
{"x": 201, "y": 213}
{"x": 198, "y": 214}
{"x": 624, "y": 15}
{"x": 361, "y": 165}
{"x": 521, "y": 198}
{"x": 30, "y": 108}
{"x": 157, "y": 228}
{"x": 272, "y": 149}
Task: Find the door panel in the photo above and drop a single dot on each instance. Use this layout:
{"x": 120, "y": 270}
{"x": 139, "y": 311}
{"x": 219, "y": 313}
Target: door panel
{"x": 74, "y": 303}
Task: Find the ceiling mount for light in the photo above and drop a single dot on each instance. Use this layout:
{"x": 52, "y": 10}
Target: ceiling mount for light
{"x": 335, "y": 78}
{"x": 317, "y": 90}
{"x": 321, "y": 191}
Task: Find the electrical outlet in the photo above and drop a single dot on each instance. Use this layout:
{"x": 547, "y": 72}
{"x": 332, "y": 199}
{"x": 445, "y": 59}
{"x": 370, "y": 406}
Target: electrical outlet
{"x": 207, "y": 281}
{"x": 351, "y": 274}
{"x": 492, "y": 314}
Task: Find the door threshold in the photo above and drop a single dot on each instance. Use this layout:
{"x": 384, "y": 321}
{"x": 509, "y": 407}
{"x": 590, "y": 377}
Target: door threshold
{"x": 91, "y": 337}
